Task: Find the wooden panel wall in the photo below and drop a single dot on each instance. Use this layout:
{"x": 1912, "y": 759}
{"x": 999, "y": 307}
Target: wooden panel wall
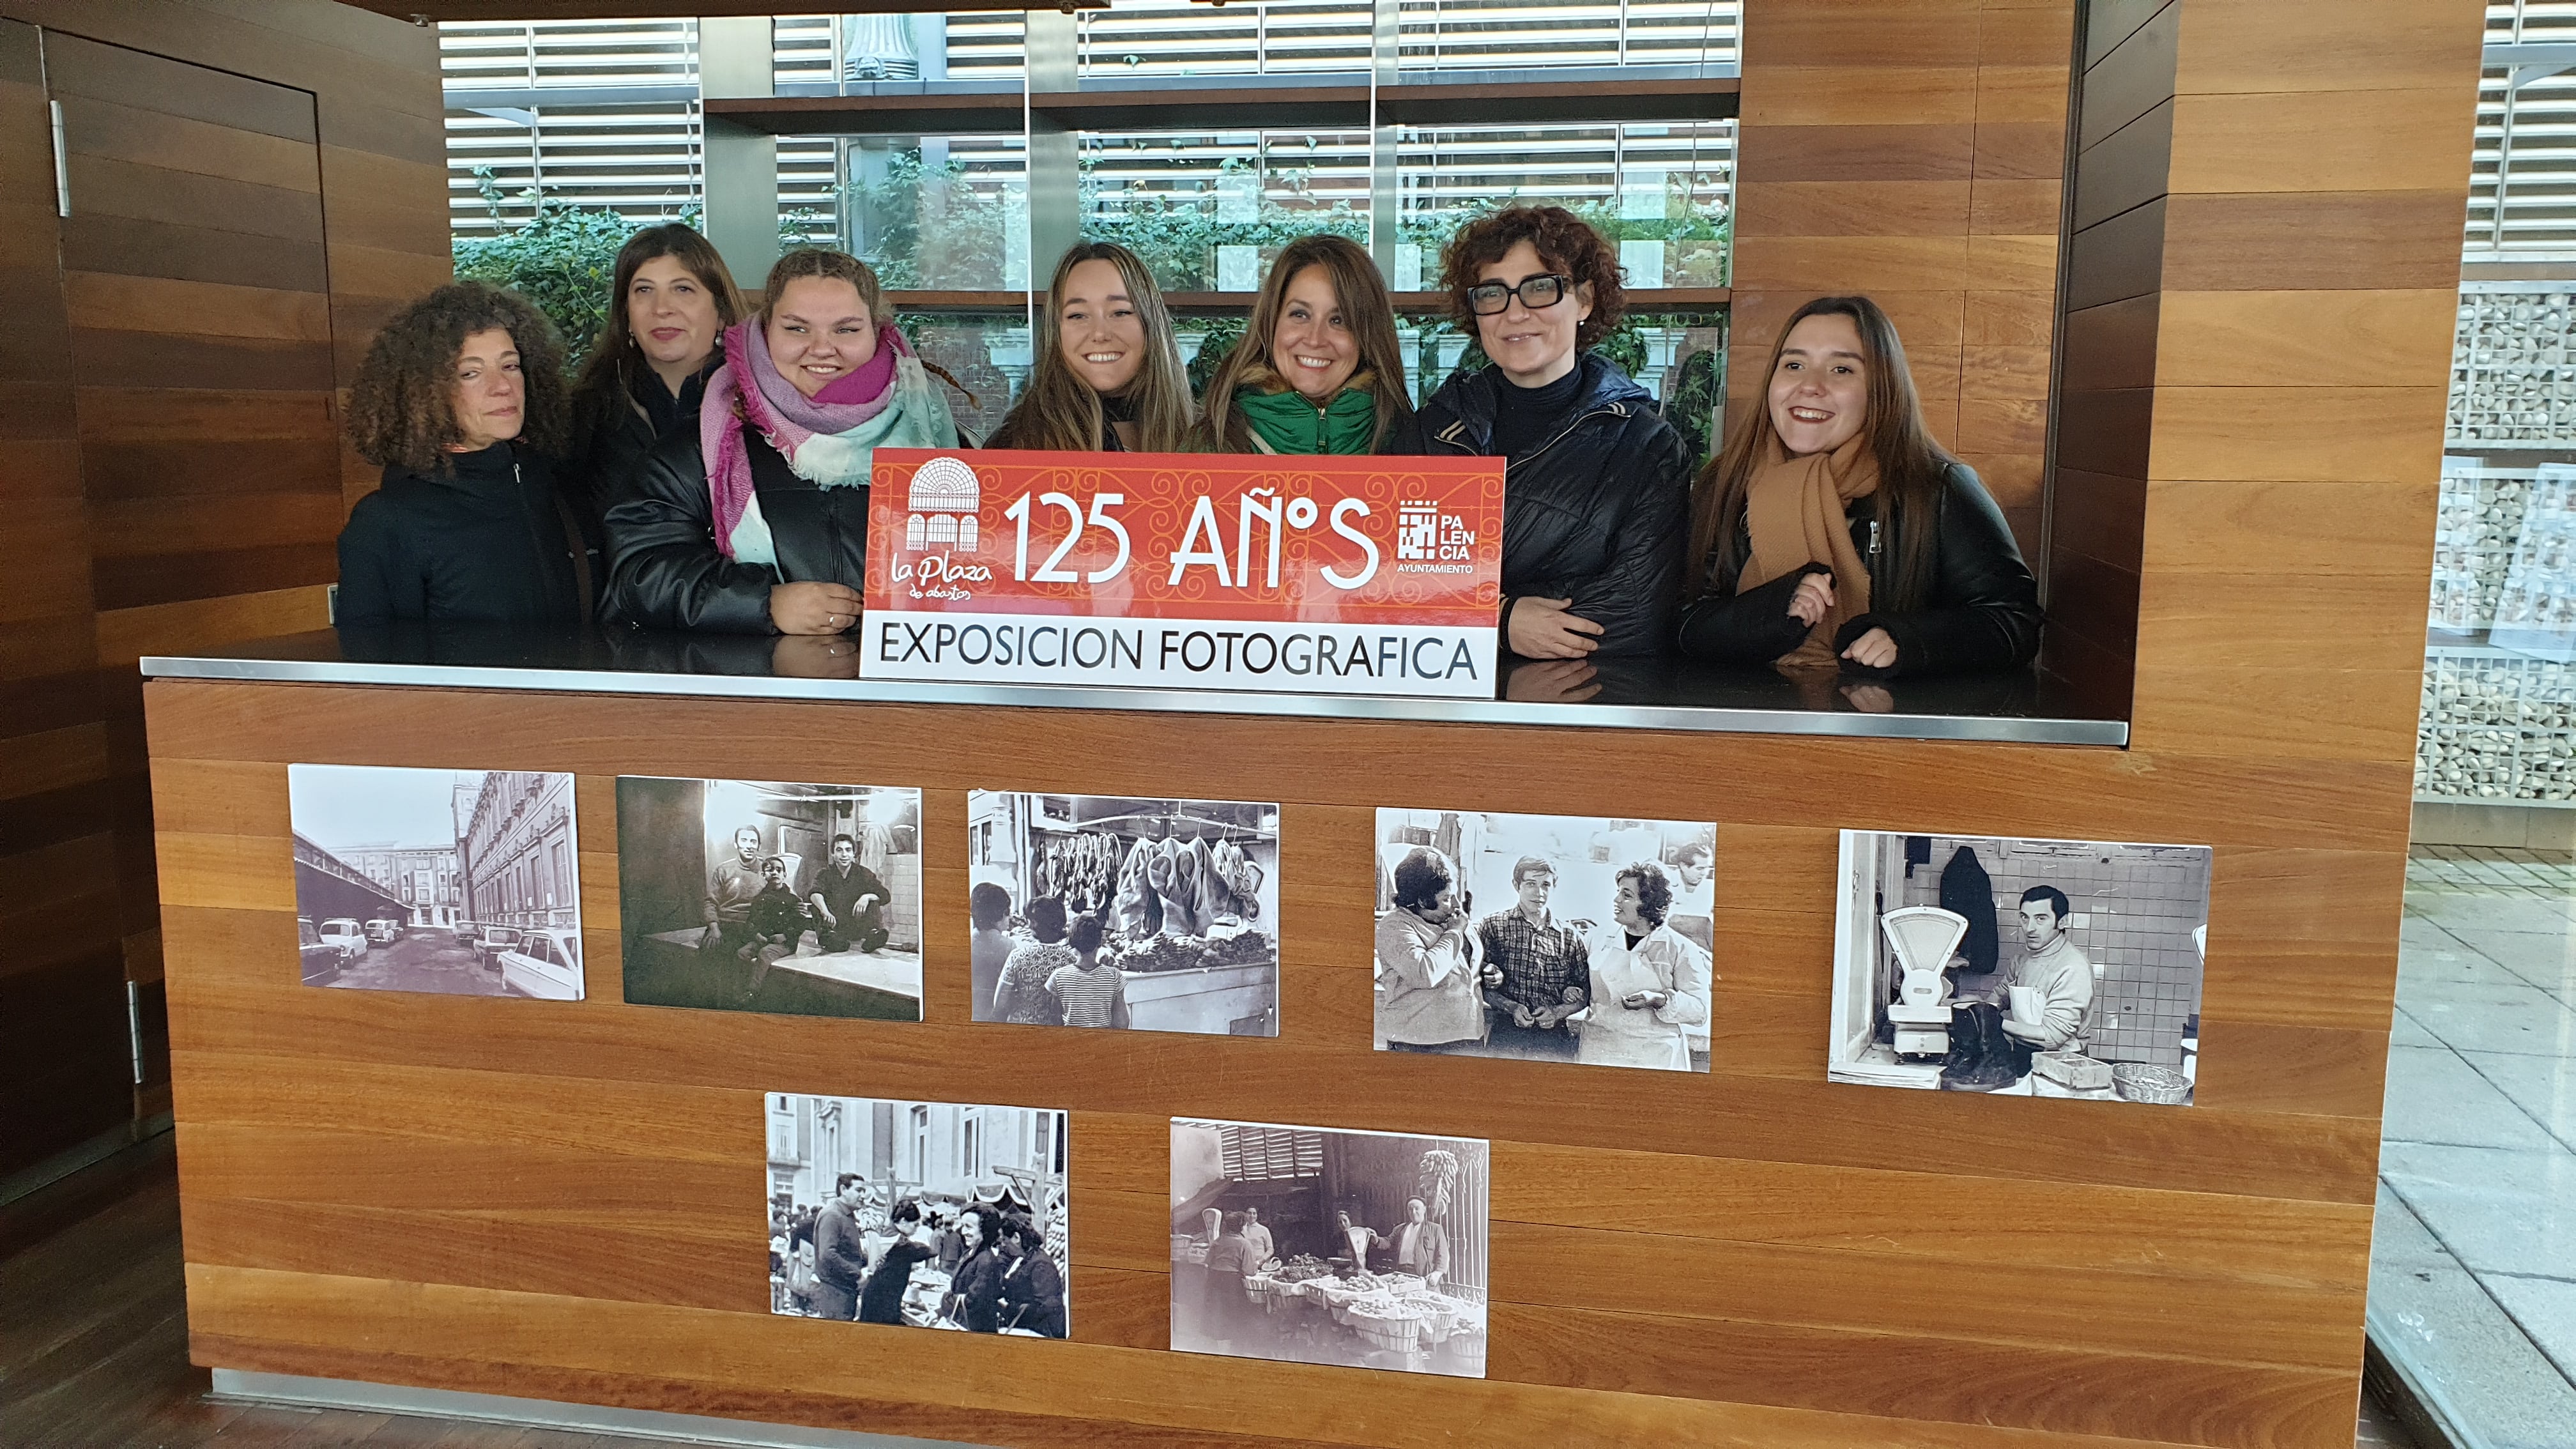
{"x": 1911, "y": 149}
{"x": 254, "y": 187}
{"x": 63, "y": 1067}
{"x": 2123, "y": 159}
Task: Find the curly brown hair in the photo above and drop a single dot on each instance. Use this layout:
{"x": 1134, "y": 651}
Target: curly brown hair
{"x": 1565, "y": 243}
{"x": 400, "y": 409}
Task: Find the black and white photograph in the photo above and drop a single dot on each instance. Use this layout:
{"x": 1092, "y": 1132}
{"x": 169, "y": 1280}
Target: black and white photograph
{"x": 772, "y": 896}
{"x": 1552, "y": 938}
{"x": 1107, "y": 911}
{"x": 2035, "y": 968}
{"x": 926, "y": 1214}
{"x": 1312, "y": 1245}
{"x": 457, "y": 882}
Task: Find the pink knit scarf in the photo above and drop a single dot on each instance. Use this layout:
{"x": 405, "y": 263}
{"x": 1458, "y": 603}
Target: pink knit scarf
{"x": 783, "y": 416}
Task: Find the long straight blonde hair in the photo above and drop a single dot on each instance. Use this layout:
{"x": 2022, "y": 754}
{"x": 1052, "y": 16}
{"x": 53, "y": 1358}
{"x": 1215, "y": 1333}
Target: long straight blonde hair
{"x": 1366, "y": 309}
{"x": 1061, "y": 412}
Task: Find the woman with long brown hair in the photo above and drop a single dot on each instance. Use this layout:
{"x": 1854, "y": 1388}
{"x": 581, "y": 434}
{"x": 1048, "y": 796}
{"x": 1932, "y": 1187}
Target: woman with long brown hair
{"x": 756, "y": 520}
{"x": 1107, "y": 374}
{"x": 1833, "y": 531}
{"x": 1318, "y": 369}
{"x": 647, "y": 370}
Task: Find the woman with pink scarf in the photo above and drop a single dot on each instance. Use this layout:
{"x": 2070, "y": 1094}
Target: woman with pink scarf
{"x": 757, "y": 522}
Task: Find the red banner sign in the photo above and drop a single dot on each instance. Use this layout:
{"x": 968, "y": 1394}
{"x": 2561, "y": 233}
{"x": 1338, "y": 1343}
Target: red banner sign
{"x": 1312, "y": 574}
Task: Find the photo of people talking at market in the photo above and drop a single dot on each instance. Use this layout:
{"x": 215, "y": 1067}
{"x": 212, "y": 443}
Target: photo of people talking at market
{"x": 771, "y": 895}
{"x": 1543, "y": 938}
{"x": 1311, "y": 1245}
{"x": 2044, "y": 968}
{"x": 756, "y": 521}
{"x": 1317, "y": 370}
{"x": 1101, "y": 911}
{"x": 1834, "y": 533}
{"x": 1105, "y": 373}
{"x": 919, "y": 1214}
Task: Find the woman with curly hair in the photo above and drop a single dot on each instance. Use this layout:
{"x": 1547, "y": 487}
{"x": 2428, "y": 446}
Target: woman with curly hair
{"x": 1107, "y": 374}
{"x": 1595, "y": 483}
{"x": 647, "y": 370}
{"x": 1318, "y": 369}
{"x": 756, "y": 520}
{"x": 461, "y": 402}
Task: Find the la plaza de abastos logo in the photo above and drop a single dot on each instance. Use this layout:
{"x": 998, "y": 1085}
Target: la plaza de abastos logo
{"x": 944, "y": 509}
{"x": 947, "y": 499}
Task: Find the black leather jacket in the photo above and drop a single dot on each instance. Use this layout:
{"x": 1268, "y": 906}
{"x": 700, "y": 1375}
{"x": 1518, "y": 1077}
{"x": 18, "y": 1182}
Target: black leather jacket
{"x": 1983, "y": 614}
{"x": 613, "y": 433}
{"x": 664, "y": 571}
{"x": 1596, "y": 513}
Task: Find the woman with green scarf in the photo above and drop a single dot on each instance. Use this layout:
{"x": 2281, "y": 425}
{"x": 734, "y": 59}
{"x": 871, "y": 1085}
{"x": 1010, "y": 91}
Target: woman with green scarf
{"x": 1318, "y": 370}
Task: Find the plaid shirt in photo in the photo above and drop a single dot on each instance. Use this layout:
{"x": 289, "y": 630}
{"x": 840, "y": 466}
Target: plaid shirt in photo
{"x": 1538, "y": 962}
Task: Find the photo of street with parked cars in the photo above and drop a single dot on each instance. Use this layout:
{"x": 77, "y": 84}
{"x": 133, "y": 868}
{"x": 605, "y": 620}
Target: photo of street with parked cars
{"x": 460, "y": 882}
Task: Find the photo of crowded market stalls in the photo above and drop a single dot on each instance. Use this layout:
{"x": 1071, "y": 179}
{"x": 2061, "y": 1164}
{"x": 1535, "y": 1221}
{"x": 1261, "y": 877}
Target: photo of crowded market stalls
{"x": 1309, "y": 1245}
{"x": 2049, "y": 968}
{"x": 764, "y": 895}
{"x": 1095, "y": 910}
{"x": 923, "y": 1214}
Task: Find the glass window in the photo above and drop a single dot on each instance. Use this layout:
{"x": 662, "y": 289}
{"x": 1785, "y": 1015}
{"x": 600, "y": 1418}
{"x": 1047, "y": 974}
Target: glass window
{"x": 1208, "y": 211}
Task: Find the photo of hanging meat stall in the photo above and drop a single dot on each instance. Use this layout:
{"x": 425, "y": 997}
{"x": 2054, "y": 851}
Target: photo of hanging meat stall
{"x": 1114, "y": 911}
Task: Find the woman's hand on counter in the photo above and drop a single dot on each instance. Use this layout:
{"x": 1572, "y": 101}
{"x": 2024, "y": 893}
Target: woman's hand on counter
{"x": 1873, "y": 650}
{"x": 813, "y": 608}
{"x": 1543, "y": 629}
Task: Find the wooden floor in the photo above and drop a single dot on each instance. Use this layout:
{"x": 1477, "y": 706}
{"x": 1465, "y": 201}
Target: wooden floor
{"x": 94, "y": 1354}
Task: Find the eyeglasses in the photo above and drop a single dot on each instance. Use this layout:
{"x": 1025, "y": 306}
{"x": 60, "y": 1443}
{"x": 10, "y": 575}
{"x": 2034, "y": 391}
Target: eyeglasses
{"x": 1486, "y": 299}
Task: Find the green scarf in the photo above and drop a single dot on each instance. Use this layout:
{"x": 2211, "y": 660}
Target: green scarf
{"x": 1290, "y": 424}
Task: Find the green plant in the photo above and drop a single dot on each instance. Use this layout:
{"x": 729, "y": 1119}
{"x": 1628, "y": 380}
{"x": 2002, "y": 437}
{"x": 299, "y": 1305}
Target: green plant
{"x": 564, "y": 257}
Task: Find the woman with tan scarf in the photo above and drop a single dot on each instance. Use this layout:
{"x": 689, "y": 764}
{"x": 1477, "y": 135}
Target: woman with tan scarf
{"x": 1833, "y": 533}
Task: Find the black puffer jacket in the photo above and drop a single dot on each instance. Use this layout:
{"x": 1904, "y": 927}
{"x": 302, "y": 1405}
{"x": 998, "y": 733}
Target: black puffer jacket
{"x": 664, "y": 571}
{"x": 1983, "y": 614}
{"x": 485, "y": 544}
{"x": 1594, "y": 513}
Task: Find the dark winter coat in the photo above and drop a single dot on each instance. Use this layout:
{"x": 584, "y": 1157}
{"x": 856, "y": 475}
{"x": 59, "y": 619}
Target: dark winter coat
{"x": 1983, "y": 614}
{"x": 1595, "y": 513}
{"x": 664, "y": 571}
{"x": 614, "y": 430}
{"x": 487, "y": 544}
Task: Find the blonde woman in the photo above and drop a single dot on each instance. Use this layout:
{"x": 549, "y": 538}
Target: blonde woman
{"x": 1108, "y": 373}
{"x": 1318, "y": 369}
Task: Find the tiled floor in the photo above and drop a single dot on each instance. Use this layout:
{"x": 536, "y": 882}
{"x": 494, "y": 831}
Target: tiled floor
{"x": 2473, "y": 1275}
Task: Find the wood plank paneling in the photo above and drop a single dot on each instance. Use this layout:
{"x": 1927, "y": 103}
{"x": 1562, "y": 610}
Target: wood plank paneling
{"x": 167, "y": 379}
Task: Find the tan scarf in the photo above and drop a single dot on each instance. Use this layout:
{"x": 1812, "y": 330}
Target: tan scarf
{"x": 1793, "y": 514}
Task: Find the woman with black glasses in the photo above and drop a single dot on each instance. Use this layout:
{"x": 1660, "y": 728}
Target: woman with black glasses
{"x": 1596, "y": 484}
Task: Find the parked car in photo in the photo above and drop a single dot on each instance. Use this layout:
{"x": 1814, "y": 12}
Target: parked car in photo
{"x": 322, "y": 959}
{"x": 544, "y": 964}
{"x": 382, "y": 931}
{"x": 345, "y": 933}
{"x": 491, "y": 941}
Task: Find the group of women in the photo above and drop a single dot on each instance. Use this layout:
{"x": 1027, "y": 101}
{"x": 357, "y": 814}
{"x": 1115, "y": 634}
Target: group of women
{"x": 707, "y": 468}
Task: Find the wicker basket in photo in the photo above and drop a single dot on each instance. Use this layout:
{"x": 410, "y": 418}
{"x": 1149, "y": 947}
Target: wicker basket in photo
{"x": 1396, "y": 1335}
{"x": 2159, "y": 1086}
